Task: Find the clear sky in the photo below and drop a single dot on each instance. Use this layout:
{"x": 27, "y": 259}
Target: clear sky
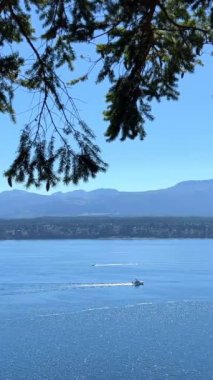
{"x": 178, "y": 145}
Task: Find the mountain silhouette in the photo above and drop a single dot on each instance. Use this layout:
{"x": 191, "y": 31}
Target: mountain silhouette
{"x": 189, "y": 198}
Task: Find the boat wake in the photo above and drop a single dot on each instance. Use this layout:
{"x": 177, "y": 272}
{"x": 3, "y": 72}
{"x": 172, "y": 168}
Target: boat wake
{"x": 91, "y": 309}
{"x": 12, "y": 289}
{"x": 102, "y": 285}
{"x": 116, "y": 265}
{"x": 99, "y": 309}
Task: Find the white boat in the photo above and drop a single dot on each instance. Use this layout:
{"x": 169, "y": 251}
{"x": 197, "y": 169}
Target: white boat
{"x": 137, "y": 282}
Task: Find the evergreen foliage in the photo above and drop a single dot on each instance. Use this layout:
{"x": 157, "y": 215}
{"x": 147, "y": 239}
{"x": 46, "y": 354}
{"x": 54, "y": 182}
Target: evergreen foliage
{"x": 143, "y": 48}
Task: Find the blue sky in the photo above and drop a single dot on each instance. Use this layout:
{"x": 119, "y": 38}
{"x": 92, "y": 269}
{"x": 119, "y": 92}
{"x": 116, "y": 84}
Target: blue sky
{"x": 178, "y": 145}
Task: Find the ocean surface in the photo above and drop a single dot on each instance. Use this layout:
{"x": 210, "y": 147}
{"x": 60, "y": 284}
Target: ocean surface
{"x": 68, "y": 310}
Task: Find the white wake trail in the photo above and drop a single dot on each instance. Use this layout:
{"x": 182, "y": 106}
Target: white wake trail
{"x": 101, "y": 285}
{"x": 116, "y": 265}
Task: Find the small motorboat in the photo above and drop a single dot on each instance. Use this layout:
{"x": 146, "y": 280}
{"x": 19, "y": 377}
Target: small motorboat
{"x": 137, "y": 282}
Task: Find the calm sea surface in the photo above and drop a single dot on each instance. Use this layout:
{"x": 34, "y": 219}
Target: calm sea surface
{"x": 68, "y": 310}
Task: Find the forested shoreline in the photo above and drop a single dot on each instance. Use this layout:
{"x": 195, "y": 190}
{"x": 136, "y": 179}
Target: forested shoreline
{"x": 106, "y": 228}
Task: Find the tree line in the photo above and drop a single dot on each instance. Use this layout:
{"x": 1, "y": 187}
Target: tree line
{"x": 106, "y": 227}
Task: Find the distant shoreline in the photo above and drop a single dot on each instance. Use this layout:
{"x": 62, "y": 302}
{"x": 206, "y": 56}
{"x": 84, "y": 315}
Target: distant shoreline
{"x": 109, "y": 239}
{"x": 106, "y": 228}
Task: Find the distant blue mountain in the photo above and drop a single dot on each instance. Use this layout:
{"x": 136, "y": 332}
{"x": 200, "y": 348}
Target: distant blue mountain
{"x": 190, "y": 198}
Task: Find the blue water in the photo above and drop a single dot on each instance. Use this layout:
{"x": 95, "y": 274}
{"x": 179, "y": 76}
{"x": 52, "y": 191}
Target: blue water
{"x": 68, "y": 310}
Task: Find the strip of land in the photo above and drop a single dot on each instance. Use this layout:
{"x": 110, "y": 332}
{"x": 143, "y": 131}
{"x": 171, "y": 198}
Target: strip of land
{"x": 106, "y": 228}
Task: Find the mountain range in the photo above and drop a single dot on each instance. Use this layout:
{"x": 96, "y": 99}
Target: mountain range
{"x": 189, "y": 198}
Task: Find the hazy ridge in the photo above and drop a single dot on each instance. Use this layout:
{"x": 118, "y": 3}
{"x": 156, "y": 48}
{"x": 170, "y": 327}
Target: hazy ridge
{"x": 190, "y": 198}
